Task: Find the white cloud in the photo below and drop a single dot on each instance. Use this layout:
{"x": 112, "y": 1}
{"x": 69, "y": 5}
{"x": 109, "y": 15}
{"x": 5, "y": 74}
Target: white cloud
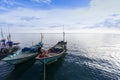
{"x": 105, "y": 7}
{"x": 42, "y": 1}
{"x": 10, "y": 2}
{"x": 79, "y": 20}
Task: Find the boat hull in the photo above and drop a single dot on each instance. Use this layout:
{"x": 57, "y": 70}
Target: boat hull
{"x": 50, "y": 60}
{"x": 13, "y": 50}
{"x": 20, "y": 60}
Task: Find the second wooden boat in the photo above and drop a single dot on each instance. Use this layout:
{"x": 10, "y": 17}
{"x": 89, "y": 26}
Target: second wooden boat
{"x": 53, "y": 54}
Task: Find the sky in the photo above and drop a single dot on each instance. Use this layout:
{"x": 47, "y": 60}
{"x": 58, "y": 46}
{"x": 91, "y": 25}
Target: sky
{"x": 36, "y": 16}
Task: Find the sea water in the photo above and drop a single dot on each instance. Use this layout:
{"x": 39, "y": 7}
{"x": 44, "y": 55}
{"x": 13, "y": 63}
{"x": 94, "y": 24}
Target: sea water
{"x": 89, "y": 57}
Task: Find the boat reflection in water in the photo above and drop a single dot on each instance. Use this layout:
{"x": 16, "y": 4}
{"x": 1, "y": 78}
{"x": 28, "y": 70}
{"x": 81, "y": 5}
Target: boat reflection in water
{"x": 36, "y": 72}
{"x": 20, "y": 69}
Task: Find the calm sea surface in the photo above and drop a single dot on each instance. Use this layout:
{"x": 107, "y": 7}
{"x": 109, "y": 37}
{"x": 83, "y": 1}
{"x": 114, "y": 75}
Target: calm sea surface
{"x": 89, "y": 57}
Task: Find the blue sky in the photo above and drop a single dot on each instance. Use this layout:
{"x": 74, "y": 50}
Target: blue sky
{"x": 44, "y": 4}
{"x": 50, "y": 15}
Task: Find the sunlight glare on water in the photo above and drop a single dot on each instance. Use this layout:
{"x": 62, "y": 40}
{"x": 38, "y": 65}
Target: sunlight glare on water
{"x": 90, "y": 57}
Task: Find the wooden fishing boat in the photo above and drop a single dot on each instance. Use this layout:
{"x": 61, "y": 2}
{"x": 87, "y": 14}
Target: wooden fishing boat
{"x": 6, "y": 49}
{"x": 23, "y": 55}
{"x": 53, "y": 54}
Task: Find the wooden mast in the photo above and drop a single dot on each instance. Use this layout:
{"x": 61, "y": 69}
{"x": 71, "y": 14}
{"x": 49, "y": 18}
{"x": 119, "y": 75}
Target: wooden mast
{"x": 63, "y": 34}
{"x": 2, "y": 34}
{"x": 41, "y": 37}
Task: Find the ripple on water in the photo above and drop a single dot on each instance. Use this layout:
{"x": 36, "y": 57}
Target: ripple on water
{"x": 5, "y": 69}
{"x": 91, "y": 68}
